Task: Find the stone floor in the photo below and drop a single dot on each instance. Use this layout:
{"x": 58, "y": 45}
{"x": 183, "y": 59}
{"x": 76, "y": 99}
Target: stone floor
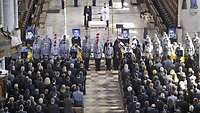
{"x": 102, "y": 92}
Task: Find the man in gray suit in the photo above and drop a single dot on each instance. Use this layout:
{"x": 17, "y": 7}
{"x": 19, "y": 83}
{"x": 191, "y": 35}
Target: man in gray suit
{"x": 97, "y": 50}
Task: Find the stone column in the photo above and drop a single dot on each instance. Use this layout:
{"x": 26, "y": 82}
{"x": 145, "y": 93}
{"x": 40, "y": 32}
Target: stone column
{"x": 16, "y": 13}
{"x": 180, "y": 2}
{"x": 9, "y": 15}
{"x": 1, "y": 14}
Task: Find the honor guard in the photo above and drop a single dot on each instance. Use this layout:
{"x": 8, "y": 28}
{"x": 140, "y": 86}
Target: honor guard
{"x": 36, "y": 50}
{"x": 108, "y": 54}
{"x": 46, "y": 47}
{"x": 196, "y": 42}
{"x": 64, "y": 47}
{"x": 166, "y": 45}
{"x": 157, "y": 48}
{"x": 54, "y": 50}
{"x": 86, "y": 49}
{"x": 97, "y": 50}
{"x": 189, "y": 47}
{"x": 148, "y": 46}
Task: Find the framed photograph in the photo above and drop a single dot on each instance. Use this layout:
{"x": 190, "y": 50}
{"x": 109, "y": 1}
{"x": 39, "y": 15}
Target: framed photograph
{"x": 76, "y": 32}
{"x": 125, "y": 33}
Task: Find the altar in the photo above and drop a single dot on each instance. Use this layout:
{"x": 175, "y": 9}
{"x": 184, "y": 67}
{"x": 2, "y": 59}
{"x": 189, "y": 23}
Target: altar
{"x": 98, "y": 27}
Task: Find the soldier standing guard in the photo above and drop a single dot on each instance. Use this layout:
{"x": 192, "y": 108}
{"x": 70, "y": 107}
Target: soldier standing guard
{"x": 55, "y": 48}
{"x": 36, "y": 48}
{"x": 148, "y": 46}
{"x": 189, "y": 47}
{"x": 157, "y": 46}
{"x": 46, "y": 47}
{"x": 196, "y": 42}
{"x": 97, "y": 50}
{"x": 166, "y": 45}
{"x": 108, "y": 55}
{"x": 64, "y": 48}
{"x": 86, "y": 48}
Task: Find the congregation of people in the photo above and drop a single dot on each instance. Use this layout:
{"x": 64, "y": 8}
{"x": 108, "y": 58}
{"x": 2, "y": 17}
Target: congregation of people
{"x": 50, "y": 80}
{"x": 163, "y": 77}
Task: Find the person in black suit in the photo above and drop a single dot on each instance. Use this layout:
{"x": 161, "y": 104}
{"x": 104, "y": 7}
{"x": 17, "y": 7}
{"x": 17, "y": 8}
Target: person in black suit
{"x": 21, "y": 109}
{"x": 110, "y": 3}
{"x": 87, "y": 14}
{"x": 52, "y": 107}
{"x": 93, "y": 2}
{"x": 122, "y": 2}
{"x": 68, "y": 104}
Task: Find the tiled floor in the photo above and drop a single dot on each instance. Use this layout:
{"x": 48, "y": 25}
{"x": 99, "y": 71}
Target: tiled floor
{"x": 102, "y": 92}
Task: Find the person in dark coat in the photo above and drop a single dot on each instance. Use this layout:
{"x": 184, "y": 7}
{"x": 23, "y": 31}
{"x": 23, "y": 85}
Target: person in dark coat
{"x": 87, "y": 15}
{"x": 11, "y": 105}
{"x": 110, "y": 3}
{"x": 68, "y": 103}
{"x": 52, "y": 107}
{"x": 21, "y": 109}
{"x": 122, "y": 2}
{"x": 116, "y": 58}
{"x": 76, "y": 40}
{"x": 93, "y": 2}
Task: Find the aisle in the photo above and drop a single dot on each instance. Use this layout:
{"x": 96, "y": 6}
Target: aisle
{"x": 102, "y": 92}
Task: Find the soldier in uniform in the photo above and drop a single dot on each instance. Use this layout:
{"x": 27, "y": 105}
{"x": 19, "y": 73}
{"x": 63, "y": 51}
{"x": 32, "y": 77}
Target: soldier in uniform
{"x": 108, "y": 55}
{"x": 196, "y": 42}
{"x": 97, "y": 50}
{"x": 157, "y": 46}
{"x": 86, "y": 48}
{"x": 46, "y": 47}
{"x": 189, "y": 47}
{"x": 148, "y": 46}
{"x": 166, "y": 45}
{"x": 36, "y": 48}
{"x": 64, "y": 48}
{"x": 54, "y": 50}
